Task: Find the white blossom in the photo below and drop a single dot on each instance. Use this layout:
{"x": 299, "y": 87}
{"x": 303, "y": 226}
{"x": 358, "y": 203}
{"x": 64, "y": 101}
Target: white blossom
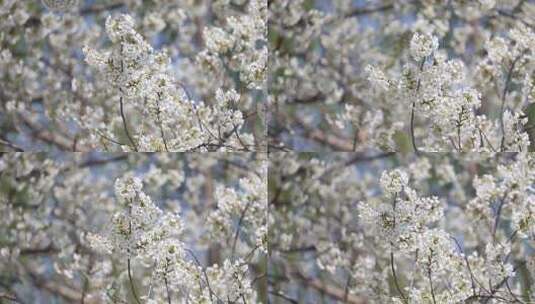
{"x": 423, "y": 45}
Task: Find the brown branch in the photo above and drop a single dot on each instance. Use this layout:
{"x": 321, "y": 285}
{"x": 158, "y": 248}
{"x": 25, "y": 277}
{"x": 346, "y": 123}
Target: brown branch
{"x": 46, "y": 136}
{"x": 100, "y": 8}
{"x": 472, "y": 277}
{"x": 369, "y": 10}
{"x": 9, "y": 297}
{"x": 283, "y": 296}
{"x": 39, "y": 251}
{"x": 320, "y": 136}
{"x": 99, "y": 161}
{"x": 66, "y": 292}
{"x": 11, "y": 145}
{"x": 132, "y": 282}
{"x": 334, "y": 292}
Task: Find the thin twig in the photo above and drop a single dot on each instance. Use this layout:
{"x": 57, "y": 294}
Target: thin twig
{"x": 504, "y": 95}
{"x": 160, "y": 125}
{"x": 242, "y": 216}
{"x": 472, "y": 278}
{"x": 132, "y": 283}
{"x": 124, "y": 125}
{"x": 370, "y": 10}
{"x": 100, "y": 8}
{"x": 396, "y": 278}
{"x": 211, "y": 292}
{"x": 284, "y": 297}
{"x": 498, "y": 214}
{"x": 168, "y": 293}
{"x": 99, "y": 161}
{"x": 11, "y": 145}
{"x": 430, "y": 280}
{"x": 511, "y": 292}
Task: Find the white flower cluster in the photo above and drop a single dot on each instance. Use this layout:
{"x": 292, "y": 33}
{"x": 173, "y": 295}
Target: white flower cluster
{"x": 170, "y": 121}
{"x": 439, "y": 94}
{"x": 405, "y": 215}
{"x": 248, "y": 209}
{"x": 141, "y": 228}
{"x": 128, "y": 188}
{"x": 231, "y": 282}
{"x": 159, "y": 241}
{"x": 394, "y": 182}
{"x": 509, "y": 191}
{"x": 423, "y": 45}
{"x": 241, "y": 45}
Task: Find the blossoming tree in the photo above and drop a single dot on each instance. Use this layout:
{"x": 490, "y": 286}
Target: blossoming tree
{"x": 402, "y": 75}
{"x": 428, "y": 79}
{"x": 127, "y": 228}
{"x": 446, "y": 228}
{"x": 133, "y": 75}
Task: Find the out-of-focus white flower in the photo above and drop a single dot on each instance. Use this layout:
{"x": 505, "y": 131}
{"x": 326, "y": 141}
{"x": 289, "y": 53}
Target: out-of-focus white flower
{"x": 487, "y": 4}
{"x": 60, "y": 5}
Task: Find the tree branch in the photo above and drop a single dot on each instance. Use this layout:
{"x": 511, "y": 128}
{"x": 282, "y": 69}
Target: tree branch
{"x": 332, "y": 291}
